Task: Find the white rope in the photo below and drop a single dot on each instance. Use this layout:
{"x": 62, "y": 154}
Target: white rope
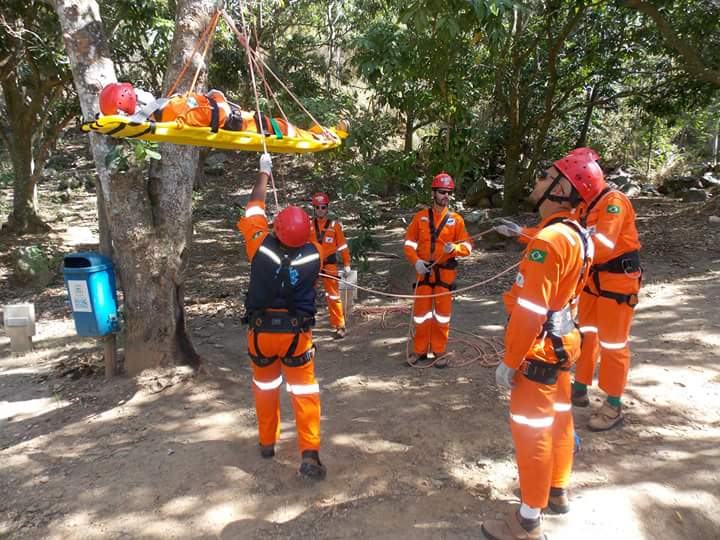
{"x": 251, "y": 67}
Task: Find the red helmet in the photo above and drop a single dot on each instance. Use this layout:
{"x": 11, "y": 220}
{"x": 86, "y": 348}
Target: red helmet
{"x": 581, "y": 169}
{"x": 117, "y": 97}
{"x": 292, "y": 226}
{"x": 443, "y": 181}
{"x": 320, "y": 198}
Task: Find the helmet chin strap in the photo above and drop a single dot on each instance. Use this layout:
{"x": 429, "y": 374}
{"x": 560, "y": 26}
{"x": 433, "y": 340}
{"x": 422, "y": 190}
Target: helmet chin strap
{"x": 548, "y": 196}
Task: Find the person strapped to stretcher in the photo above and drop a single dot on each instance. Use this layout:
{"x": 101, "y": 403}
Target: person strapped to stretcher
{"x": 211, "y": 109}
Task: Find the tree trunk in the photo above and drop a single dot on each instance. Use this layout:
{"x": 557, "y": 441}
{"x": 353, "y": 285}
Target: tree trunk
{"x": 514, "y": 181}
{"x": 150, "y": 217}
{"x": 24, "y": 217}
{"x": 587, "y": 120}
{"x": 409, "y": 130}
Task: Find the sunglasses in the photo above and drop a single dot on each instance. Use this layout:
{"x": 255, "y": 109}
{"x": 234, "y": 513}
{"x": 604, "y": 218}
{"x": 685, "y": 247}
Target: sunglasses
{"x": 321, "y": 207}
{"x": 444, "y": 191}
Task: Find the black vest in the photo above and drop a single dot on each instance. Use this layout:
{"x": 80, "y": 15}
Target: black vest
{"x": 282, "y": 277}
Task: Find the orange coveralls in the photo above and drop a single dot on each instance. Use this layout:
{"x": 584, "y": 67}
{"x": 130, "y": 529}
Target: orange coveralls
{"x": 605, "y": 322}
{"x": 329, "y": 235}
{"x": 301, "y": 383}
{"x": 551, "y": 273}
{"x": 432, "y": 315}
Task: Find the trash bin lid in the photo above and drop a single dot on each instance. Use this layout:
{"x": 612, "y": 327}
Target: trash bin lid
{"x": 86, "y": 262}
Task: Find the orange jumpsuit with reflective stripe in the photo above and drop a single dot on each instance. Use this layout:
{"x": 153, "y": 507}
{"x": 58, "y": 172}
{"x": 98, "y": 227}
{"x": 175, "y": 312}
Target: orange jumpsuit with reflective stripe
{"x": 549, "y": 277}
{"x": 604, "y": 322}
{"x": 328, "y": 234}
{"x": 432, "y": 315}
{"x": 300, "y": 381}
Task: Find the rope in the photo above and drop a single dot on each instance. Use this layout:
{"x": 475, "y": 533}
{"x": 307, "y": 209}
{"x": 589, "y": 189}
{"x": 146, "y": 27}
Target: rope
{"x": 258, "y": 59}
{"x": 243, "y": 38}
{"x": 213, "y": 24}
{"x": 199, "y": 41}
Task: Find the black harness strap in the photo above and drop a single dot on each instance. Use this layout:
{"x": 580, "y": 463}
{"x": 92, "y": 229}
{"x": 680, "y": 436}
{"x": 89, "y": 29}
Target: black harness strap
{"x": 215, "y": 115}
{"x": 449, "y": 265}
{"x": 332, "y": 258}
{"x": 544, "y": 372}
{"x": 150, "y": 129}
{"x": 583, "y": 219}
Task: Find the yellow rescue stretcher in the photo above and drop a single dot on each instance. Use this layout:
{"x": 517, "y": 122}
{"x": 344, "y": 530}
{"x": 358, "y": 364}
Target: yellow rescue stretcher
{"x": 303, "y": 140}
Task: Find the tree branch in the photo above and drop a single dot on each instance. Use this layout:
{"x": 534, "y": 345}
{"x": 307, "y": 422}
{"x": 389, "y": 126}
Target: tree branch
{"x": 693, "y": 62}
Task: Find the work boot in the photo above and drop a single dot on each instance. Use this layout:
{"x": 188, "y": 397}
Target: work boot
{"x": 513, "y": 527}
{"x": 311, "y": 467}
{"x": 558, "y": 502}
{"x": 340, "y": 332}
{"x": 421, "y": 360}
{"x": 606, "y": 417}
{"x": 580, "y": 398}
{"x": 441, "y": 361}
{"x": 267, "y": 451}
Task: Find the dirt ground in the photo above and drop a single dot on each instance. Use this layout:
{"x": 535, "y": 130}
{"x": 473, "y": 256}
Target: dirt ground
{"x": 416, "y": 454}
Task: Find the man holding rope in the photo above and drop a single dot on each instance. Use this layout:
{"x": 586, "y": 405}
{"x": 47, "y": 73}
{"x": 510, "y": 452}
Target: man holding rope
{"x": 329, "y": 235}
{"x": 280, "y": 307}
{"x": 541, "y": 344}
{"x": 434, "y": 240}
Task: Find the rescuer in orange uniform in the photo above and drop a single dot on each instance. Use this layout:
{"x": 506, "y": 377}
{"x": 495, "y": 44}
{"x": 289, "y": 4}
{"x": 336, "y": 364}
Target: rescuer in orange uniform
{"x": 331, "y": 239}
{"x": 541, "y": 344}
{"x": 607, "y": 303}
{"x": 280, "y": 309}
{"x": 434, "y": 240}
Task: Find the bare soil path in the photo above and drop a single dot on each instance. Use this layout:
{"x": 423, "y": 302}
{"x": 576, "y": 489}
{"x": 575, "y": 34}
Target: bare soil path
{"x": 416, "y": 454}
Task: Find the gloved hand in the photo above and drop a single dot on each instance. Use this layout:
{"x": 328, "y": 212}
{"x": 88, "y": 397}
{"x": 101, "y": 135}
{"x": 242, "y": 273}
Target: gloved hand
{"x": 266, "y": 163}
{"x": 509, "y": 228}
{"x": 504, "y": 375}
{"x": 449, "y": 247}
{"x": 421, "y": 267}
{"x": 346, "y": 272}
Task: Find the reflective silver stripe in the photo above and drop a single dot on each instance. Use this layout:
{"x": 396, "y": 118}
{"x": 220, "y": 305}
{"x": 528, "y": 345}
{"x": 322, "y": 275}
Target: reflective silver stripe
{"x": 562, "y": 407}
{"x": 331, "y": 297}
{"x": 613, "y": 346}
{"x": 586, "y": 329}
{"x": 567, "y": 234}
{"x": 605, "y": 240}
{"x": 344, "y": 246}
{"x": 303, "y": 389}
{"x": 255, "y": 211}
{"x": 467, "y": 245}
{"x": 422, "y": 318}
{"x": 411, "y": 244}
{"x": 270, "y": 253}
{"x": 540, "y": 310}
{"x": 545, "y": 421}
{"x": 272, "y": 385}
{"x": 305, "y": 259}
{"x": 442, "y": 319}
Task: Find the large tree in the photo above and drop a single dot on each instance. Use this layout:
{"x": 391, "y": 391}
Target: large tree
{"x": 37, "y": 101}
{"x": 149, "y": 209}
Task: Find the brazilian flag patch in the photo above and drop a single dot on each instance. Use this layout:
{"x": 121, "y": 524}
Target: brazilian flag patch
{"x": 613, "y": 209}
{"x": 537, "y": 255}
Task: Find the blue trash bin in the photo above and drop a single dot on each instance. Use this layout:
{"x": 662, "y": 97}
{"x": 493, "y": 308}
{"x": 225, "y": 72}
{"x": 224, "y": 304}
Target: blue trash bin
{"x": 90, "y": 282}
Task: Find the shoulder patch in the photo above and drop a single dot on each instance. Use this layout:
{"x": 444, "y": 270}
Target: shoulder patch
{"x": 537, "y": 255}
{"x": 451, "y": 221}
{"x": 256, "y": 234}
{"x": 423, "y": 218}
{"x": 520, "y": 280}
{"x": 613, "y": 209}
